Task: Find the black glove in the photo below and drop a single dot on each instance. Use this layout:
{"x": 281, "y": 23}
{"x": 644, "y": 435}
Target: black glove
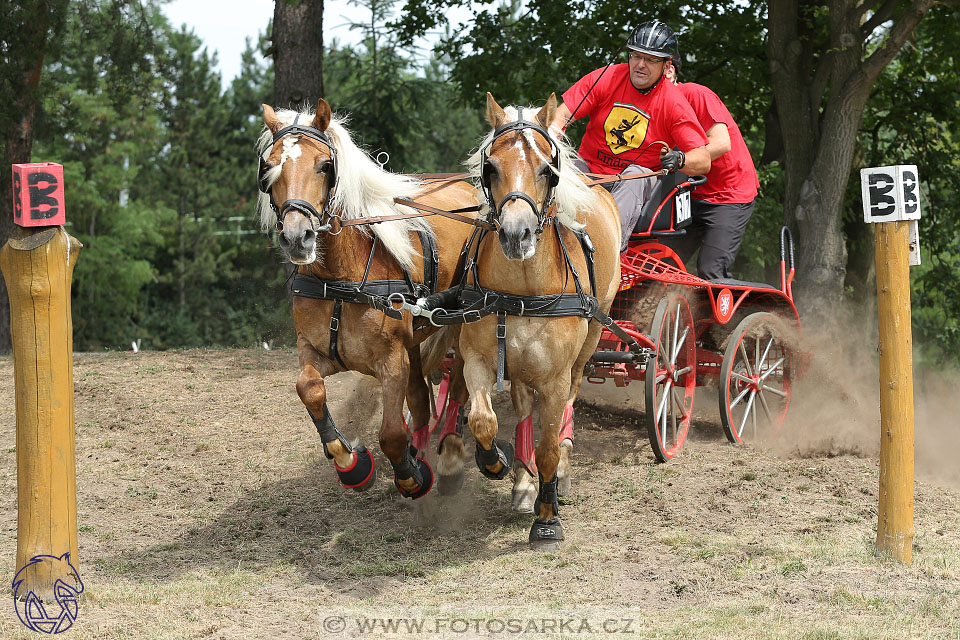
{"x": 673, "y": 160}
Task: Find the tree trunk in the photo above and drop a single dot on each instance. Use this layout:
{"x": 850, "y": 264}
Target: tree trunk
{"x": 819, "y": 110}
{"x": 297, "y": 54}
{"x": 18, "y": 143}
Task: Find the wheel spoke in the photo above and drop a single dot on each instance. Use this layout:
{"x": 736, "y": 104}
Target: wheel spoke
{"x": 756, "y": 354}
{"x": 773, "y": 367}
{"x": 755, "y": 412}
{"x": 765, "y": 352}
{"x": 780, "y": 393}
{"x": 680, "y": 372}
{"x": 746, "y": 358}
{"x": 679, "y": 345}
{"x": 665, "y": 405}
{"x": 678, "y": 401}
{"x": 741, "y": 377}
{"x": 746, "y": 414}
{"x": 766, "y": 408}
{"x": 739, "y": 397}
{"x": 664, "y": 395}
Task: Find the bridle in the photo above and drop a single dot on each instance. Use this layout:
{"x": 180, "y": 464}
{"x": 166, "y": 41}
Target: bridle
{"x": 295, "y": 204}
{"x": 486, "y": 175}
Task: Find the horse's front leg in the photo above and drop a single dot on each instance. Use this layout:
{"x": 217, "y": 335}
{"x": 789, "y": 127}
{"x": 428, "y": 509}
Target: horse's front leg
{"x": 411, "y": 474}
{"x": 547, "y": 532}
{"x": 355, "y": 467}
{"x": 494, "y": 457}
{"x": 525, "y": 465}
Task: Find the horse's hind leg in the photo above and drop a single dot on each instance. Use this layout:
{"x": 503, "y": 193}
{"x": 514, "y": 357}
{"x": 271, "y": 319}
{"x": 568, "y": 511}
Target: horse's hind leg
{"x": 412, "y": 475}
{"x": 451, "y": 458}
{"x": 525, "y": 464}
{"x": 418, "y": 402}
{"x": 355, "y": 467}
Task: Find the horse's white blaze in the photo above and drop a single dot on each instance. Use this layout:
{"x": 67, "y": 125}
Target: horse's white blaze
{"x": 364, "y": 190}
{"x": 291, "y": 149}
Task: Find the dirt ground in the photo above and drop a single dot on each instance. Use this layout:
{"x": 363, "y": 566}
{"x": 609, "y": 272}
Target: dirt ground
{"x": 207, "y": 510}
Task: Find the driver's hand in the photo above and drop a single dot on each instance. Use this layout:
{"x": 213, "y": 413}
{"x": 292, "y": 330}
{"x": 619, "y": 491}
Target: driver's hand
{"x": 673, "y": 160}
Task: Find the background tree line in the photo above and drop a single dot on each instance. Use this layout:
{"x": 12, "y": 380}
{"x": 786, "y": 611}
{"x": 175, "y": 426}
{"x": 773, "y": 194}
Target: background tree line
{"x": 159, "y": 159}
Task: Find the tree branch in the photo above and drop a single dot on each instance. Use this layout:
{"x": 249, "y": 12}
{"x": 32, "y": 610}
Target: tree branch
{"x": 879, "y": 17}
{"x": 902, "y": 29}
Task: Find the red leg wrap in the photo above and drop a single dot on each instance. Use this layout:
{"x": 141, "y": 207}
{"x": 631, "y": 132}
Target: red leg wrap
{"x": 441, "y": 403}
{"x": 421, "y": 438}
{"x": 566, "y": 429}
{"x": 525, "y": 453}
{"x": 449, "y": 422}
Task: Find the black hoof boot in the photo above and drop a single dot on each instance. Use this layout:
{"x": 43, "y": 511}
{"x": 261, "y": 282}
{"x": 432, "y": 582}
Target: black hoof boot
{"x": 415, "y": 468}
{"x": 502, "y": 452}
{"x": 329, "y": 432}
{"x": 546, "y": 535}
{"x": 360, "y": 474}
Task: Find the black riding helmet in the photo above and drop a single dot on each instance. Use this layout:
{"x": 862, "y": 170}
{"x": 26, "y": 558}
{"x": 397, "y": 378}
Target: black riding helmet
{"x": 654, "y": 38}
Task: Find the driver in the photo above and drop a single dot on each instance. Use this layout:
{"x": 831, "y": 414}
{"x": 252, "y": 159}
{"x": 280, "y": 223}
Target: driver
{"x": 637, "y": 120}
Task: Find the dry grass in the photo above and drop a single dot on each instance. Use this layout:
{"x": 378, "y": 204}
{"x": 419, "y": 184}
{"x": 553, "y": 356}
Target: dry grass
{"x": 207, "y": 510}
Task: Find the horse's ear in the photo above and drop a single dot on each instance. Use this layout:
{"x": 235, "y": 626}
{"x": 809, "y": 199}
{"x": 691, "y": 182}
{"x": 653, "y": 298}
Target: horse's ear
{"x": 495, "y": 113}
{"x": 270, "y": 119}
{"x": 545, "y": 115}
{"x": 322, "y": 120}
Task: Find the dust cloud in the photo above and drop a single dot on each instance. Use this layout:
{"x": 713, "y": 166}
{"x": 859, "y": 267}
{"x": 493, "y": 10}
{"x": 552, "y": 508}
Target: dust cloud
{"x": 836, "y": 402}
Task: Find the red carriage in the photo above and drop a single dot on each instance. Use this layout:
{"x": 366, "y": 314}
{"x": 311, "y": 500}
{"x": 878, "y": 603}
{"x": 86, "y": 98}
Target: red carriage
{"x": 740, "y": 336}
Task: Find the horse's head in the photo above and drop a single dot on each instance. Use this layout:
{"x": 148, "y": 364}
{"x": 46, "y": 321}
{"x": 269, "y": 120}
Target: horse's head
{"x": 519, "y": 173}
{"x": 298, "y": 169}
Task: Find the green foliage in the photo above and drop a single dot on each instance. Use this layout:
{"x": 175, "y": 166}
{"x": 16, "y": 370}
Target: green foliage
{"x": 413, "y": 118}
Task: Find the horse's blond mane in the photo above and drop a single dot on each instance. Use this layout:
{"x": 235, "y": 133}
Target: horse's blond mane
{"x": 571, "y": 193}
{"x": 364, "y": 189}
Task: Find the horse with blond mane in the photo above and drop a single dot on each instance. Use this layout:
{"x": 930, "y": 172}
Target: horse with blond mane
{"x": 553, "y": 230}
{"x": 356, "y": 249}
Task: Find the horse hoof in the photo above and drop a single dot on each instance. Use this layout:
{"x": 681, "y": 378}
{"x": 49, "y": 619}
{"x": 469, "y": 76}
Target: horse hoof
{"x": 545, "y": 535}
{"x": 426, "y": 475}
{"x": 360, "y": 475}
{"x": 523, "y": 499}
{"x": 502, "y": 452}
{"x": 450, "y": 485}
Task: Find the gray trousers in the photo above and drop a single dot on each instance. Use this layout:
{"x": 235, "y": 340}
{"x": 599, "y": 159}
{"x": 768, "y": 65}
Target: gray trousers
{"x": 630, "y": 196}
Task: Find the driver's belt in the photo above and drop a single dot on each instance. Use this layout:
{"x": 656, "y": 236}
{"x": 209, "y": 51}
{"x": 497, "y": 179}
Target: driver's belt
{"x": 370, "y": 292}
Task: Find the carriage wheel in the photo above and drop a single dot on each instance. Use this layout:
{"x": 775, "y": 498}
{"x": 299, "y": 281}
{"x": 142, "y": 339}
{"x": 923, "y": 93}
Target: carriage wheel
{"x": 671, "y": 377}
{"x": 756, "y": 378}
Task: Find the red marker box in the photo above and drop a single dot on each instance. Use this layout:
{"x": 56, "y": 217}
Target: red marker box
{"x": 38, "y": 194}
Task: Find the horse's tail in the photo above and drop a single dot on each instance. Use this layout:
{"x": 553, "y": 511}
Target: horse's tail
{"x": 434, "y": 348}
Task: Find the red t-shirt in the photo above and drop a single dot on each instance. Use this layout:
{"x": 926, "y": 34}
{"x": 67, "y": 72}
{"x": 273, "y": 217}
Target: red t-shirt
{"x": 624, "y": 122}
{"x": 732, "y": 176}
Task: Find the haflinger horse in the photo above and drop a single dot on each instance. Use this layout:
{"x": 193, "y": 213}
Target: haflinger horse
{"x": 549, "y": 221}
{"x": 328, "y": 188}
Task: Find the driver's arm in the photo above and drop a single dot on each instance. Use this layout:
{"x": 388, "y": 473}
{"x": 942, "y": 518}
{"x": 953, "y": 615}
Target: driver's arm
{"x": 719, "y": 140}
{"x": 697, "y": 161}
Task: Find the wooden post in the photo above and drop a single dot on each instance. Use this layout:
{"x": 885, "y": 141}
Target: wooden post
{"x": 38, "y": 269}
{"x": 895, "y": 517}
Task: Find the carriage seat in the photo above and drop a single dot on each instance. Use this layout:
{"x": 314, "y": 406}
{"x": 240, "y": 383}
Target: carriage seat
{"x": 661, "y": 190}
{"x": 730, "y": 282}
